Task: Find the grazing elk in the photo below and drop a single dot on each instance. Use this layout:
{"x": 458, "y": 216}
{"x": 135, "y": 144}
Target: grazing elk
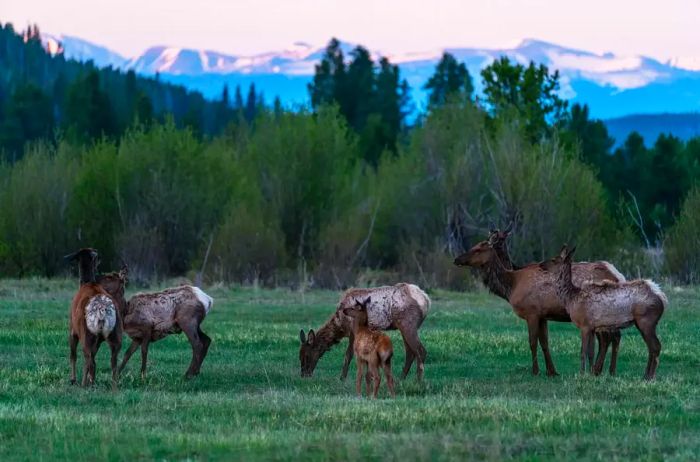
{"x": 531, "y": 291}
{"x": 600, "y": 306}
{"x": 150, "y": 317}
{"x": 373, "y": 349}
{"x": 402, "y": 306}
{"x": 94, "y": 318}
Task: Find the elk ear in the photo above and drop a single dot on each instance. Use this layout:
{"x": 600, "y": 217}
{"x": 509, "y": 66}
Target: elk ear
{"x": 509, "y": 228}
{"x": 302, "y": 336}
{"x": 124, "y": 273}
{"x": 571, "y": 253}
{"x": 564, "y": 250}
{"x": 70, "y": 256}
{"x": 312, "y": 337}
{"x": 367, "y": 302}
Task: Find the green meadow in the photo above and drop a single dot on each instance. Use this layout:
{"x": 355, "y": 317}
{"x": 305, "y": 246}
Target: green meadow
{"x": 479, "y": 400}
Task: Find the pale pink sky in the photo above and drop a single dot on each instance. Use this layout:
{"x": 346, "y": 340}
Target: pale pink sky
{"x": 658, "y": 28}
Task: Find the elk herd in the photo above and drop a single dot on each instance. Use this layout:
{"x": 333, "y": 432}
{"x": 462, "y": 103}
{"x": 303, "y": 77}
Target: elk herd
{"x": 595, "y": 296}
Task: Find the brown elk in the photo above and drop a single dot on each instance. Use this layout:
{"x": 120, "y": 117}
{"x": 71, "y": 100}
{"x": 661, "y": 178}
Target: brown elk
{"x": 402, "y": 306}
{"x": 600, "y": 306}
{"x": 582, "y": 271}
{"x": 372, "y": 348}
{"x": 94, "y": 318}
{"x": 532, "y": 294}
{"x": 150, "y": 317}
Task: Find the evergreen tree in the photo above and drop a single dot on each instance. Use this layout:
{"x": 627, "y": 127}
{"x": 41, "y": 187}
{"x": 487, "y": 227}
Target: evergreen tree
{"x": 28, "y": 116}
{"x": 88, "y": 109}
{"x": 590, "y": 134}
{"x": 357, "y": 101}
{"x": 329, "y": 78}
{"x": 251, "y": 104}
{"x": 451, "y": 79}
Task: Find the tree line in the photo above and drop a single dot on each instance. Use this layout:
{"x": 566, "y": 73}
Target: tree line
{"x": 346, "y": 190}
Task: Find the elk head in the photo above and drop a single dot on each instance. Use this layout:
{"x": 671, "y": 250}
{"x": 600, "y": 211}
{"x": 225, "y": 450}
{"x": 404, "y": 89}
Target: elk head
{"x": 114, "y": 284}
{"x": 309, "y": 353}
{"x": 478, "y": 256}
{"x": 88, "y": 260}
{"x": 358, "y": 311}
{"x": 557, "y": 263}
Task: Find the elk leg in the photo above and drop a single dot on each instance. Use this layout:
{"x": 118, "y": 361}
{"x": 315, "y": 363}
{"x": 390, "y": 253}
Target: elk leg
{"x": 616, "y": 336}
{"x": 348, "y": 357}
{"x": 190, "y": 330}
{"x": 89, "y": 350}
{"x": 590, "y": 351}
{"x": 368, "y": 381}
{"x": 73, "y": 343}
{"x": 411, "y": 338}
{"x": 115, "y": 345}
{"x": 389, "y": 377}
{"x": 376, "y": 378}
{"x": 654, "y": 347}
{"x": 603, "y": 341}
{"x": 144, "y": 356}
{"x": 585, "y": 336}
{"x": 132, "y": 348}
{"x": 532, "y": 330}
{"x": 410, "y": 356}
{"x": 206, "y": 340}
{"x": 544, "y": 344}
{"x": 358, "y": 379}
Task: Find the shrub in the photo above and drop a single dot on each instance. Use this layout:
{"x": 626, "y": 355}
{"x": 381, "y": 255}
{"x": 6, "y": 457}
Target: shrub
{"x": 682, "y": 246}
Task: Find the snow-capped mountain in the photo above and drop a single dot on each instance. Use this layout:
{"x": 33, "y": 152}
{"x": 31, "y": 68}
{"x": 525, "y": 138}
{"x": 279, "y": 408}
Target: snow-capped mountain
{"x": 612, "y": 85}
{"x": 82, "y": 50}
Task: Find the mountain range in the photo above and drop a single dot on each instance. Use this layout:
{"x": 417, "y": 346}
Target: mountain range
{"x": 613, "y": 86}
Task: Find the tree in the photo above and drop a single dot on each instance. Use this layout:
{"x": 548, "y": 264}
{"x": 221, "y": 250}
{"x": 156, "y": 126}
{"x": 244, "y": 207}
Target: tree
{"x": 329, "y": 77}
{"x": 590, "y": 134}
{"x": 29, "y": 116}
{"x": 449, "y": 80}
{"x": 251, "y": 104}
{"x": 88, "y": 109}
{"x": 529, "y": 92}
{"x": 373, "y": 99}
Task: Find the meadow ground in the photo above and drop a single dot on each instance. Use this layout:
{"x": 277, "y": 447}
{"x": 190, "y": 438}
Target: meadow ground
{"x": 249, "y": 403}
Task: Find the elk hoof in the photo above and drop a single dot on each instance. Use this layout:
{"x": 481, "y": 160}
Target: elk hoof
{"x": 552, "y": 374}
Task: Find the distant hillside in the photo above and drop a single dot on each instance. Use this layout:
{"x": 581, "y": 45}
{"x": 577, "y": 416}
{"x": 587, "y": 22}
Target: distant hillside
{"x": 650, "y": 126}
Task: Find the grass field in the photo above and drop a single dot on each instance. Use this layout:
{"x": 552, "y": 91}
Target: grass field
{"x": 249, "y": 403}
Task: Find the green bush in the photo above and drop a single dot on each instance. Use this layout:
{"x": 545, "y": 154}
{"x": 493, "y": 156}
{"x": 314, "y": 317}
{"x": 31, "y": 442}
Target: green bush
{"x": 682, "y": 246}
{"x": 34, "y": 199}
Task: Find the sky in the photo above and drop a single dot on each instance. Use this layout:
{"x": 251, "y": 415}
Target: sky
{"x": 660, "y": 29}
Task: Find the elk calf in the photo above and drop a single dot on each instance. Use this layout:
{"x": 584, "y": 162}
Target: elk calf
{"x": 607, "y": 305}
{"x": 373, "y": 349}
{"x": 94, "y": 318}
{"x": 401, "y": 306}
{"x": 152, "y": 316}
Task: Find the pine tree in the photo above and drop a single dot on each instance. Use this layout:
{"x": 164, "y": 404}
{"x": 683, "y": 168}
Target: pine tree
{"x": 89, "y": 113}
{"x": 450, "y": 80}
{"x": 28, "y": 116}
{"x": 251, "y": 104}
{"x": 329, "y": 77}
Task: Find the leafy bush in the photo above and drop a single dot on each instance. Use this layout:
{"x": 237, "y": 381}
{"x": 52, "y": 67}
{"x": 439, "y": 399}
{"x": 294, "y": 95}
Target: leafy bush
{"x": 682, "y": 246}
{"x": 34, "y": 198}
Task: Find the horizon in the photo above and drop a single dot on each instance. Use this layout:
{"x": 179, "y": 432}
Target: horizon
{"x": 277, "y": 25}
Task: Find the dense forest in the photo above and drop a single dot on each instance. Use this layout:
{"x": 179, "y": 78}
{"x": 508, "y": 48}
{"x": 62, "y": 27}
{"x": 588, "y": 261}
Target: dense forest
{"x": 344, "y": 192}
